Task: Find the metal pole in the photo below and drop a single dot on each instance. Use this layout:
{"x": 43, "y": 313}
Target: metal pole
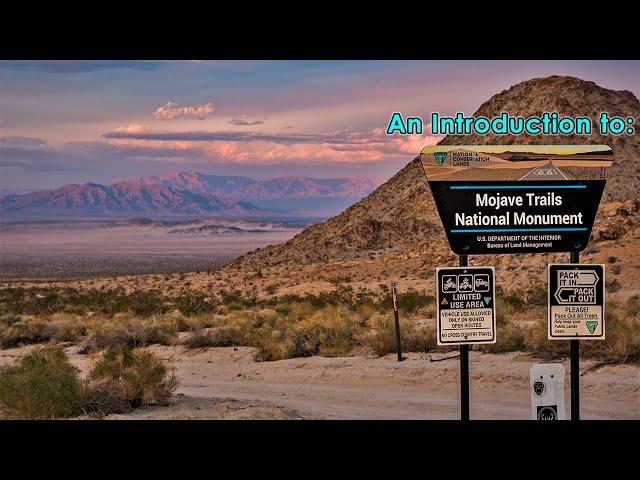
{"x": 394, "y": 295}
{"x": 575, "y": 365}
{"x": 464, "y": 366}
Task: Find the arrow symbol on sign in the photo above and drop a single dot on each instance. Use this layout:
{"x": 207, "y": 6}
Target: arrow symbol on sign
{"x": 573, "y": 292}
{"x": 487, "y": 300}
{"x": 587, "y": 278}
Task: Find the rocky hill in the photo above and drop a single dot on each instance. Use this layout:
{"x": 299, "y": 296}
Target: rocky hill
{"x": 399, "y": 218}
{"x": 570, "y": 96}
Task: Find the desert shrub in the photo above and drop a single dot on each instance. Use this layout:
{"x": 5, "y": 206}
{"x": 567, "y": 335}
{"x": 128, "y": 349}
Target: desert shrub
{"x": 295, "y": 312}
{"x": 382, "y": 339}
{"x": 622, "y": 343}
{"x": 510, "y": 337}
{"x": 195, "y": 323}
{"x": 233, "y": 307}
{"x": 409, "y": 302}
{"x": 519, "y": 300}
{"x": 536, "y": 341}
{"x": 235, "y": 329}
{"x": 44, "y": 385}
{"x": 50, "y": 300}
{"x": 10, "y": 319}
{"x": 26, "y": 332}
{"x": 412, "y": 301}
{"x": 200, "y": 339}
{"x": 132, "y": 332}
{"x": 632, "y": 306}
{"x": 329, "y": 332}
{"x": 612, "y": 286}
{"x": 68, "y": 328}
{"x": 194, "y": 303}
{"x": 422, "y": 339}
{"x": 364, "y": 313}
{"x": 126, "y": 378}
{"x": 270, "y": 345}
{"x": 298, "y": 345}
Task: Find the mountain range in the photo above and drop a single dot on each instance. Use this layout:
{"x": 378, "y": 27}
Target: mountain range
{"x": 279, "y": 188}
{"x": 180, "y": 194}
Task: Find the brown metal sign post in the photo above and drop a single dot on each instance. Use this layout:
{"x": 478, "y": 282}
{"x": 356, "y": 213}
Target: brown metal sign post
{"x": 394, "y": 295}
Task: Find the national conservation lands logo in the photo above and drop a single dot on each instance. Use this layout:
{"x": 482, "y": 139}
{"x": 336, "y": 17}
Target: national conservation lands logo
{"x": 440, "y": 157}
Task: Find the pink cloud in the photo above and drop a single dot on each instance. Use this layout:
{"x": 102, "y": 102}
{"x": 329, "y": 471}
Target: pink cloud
{"x": 132, "y": 128}
{"x": 172, "y": 110}
{"x": 332, "y": 148}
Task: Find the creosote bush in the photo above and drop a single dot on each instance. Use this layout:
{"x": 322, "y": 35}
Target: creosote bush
{"x": 132, "y": 332}
{"x": 44, "y": 385}
{"x": 126, "y": 378}
{"x": 382, "y": 339}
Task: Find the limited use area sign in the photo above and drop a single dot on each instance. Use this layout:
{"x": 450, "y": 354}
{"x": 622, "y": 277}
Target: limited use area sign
{"x": 496, "y": 199}
{"x": 576, "y": 301}
{"x": 466, "y": 305}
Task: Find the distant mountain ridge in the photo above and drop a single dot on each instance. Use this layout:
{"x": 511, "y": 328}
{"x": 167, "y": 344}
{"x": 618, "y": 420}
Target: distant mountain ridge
{"x": 239, "y": 187}
{"x": 118, "y": 200}
{"x": 175, "y": 194}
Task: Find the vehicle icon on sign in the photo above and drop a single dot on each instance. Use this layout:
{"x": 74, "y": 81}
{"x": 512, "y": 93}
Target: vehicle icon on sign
{"x": 465, "y": 283}
{"x": 449, "y": 283}
{"x": 481, "y": 282}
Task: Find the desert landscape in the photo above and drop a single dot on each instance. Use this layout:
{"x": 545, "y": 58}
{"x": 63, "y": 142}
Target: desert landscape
{"x": 71, "y": 250}
{"x": 301, "y": 326}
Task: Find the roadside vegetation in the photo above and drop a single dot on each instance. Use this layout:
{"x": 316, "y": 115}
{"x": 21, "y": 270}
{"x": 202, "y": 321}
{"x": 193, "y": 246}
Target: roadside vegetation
{"x": 116, "y": 327}
{"x": 337, "y": 323}
{"x": 45, "y": 385}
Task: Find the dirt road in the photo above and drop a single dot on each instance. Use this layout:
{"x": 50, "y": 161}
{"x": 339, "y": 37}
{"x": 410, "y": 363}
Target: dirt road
{"x": 226, "y": 383}
{"x": 381, "y": 388}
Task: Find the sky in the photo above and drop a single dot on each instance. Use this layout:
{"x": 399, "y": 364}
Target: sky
{"x": 103, "y": 121}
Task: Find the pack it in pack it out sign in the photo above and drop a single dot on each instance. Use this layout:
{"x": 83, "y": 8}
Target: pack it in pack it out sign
{"x": 576, "y": 301}
{"x": 466, "y": 312}
{"x": 517, "y": 198}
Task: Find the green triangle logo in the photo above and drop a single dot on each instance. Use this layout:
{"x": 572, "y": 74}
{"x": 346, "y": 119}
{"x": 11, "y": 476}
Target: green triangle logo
{"x": 591, "y": 325}
{"x": 440, "y": 156}
{"x": 487, "y": 300}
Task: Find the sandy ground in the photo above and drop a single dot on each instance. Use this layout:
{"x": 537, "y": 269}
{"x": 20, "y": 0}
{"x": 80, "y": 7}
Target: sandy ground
{"x": 226, "y": 383}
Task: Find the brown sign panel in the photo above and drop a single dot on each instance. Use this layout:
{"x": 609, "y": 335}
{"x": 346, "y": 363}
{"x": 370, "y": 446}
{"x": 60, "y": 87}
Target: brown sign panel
{"x": 517, "y": 198}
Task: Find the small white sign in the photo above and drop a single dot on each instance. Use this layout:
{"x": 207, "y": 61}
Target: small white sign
{"x": 546, "y": 383}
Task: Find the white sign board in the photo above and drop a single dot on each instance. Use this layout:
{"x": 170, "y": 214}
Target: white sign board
{"x": 466, "y": 305}
{"x": 547, "y": 391}
{"x": 576, "y": 301}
